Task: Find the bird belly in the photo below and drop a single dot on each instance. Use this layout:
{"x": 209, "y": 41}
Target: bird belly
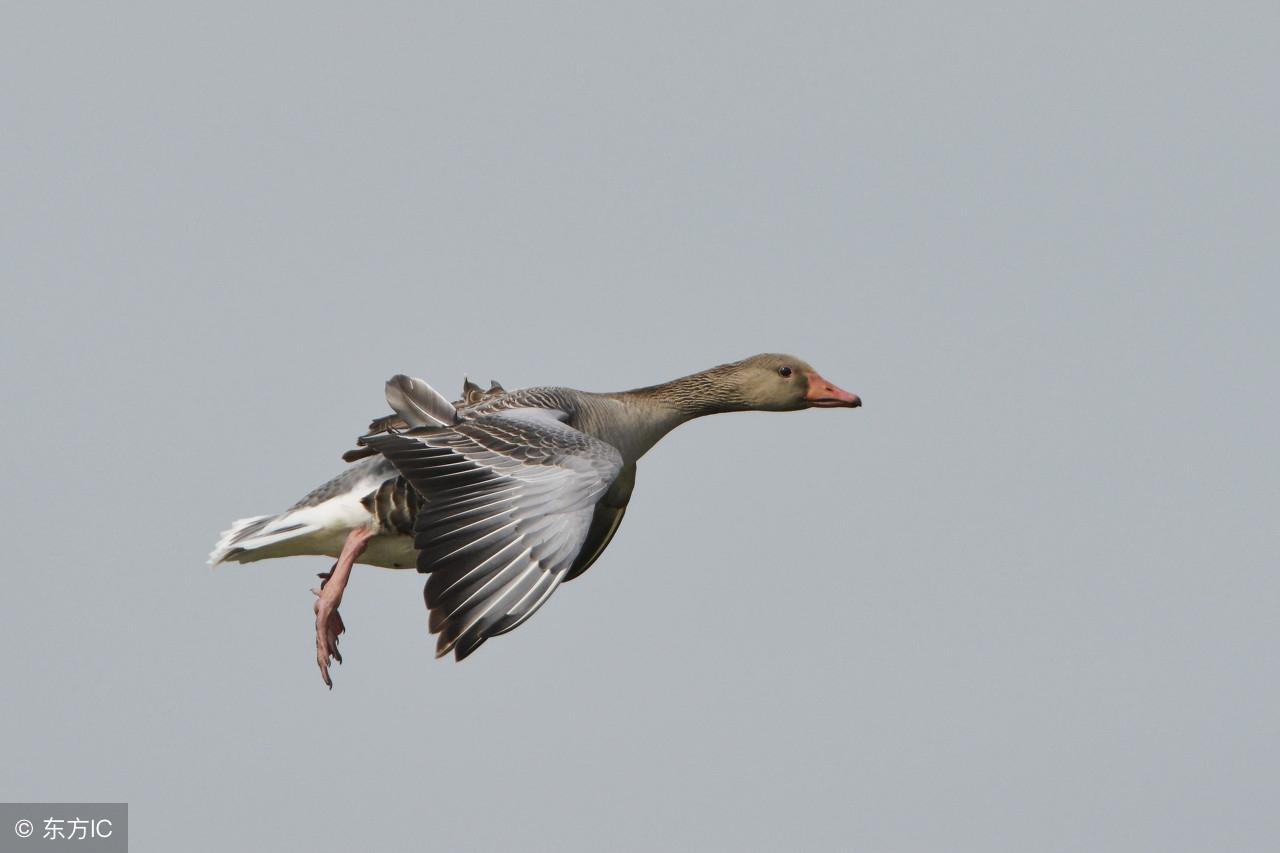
{"x": 390, "y": 551}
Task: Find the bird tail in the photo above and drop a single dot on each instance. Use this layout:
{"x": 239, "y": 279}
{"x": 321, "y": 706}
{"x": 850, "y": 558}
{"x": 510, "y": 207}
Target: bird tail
{"x": 250, "y": 539}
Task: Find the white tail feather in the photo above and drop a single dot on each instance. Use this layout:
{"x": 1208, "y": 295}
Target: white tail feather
{"x": 316, "y": 529}
{"x": 241, "y": 544}
{"x": 228, "y": 536}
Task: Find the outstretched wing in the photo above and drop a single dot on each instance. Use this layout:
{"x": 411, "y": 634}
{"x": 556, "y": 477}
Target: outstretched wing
{"x": 471, "y": 394}
{"x": 509, "y": 502}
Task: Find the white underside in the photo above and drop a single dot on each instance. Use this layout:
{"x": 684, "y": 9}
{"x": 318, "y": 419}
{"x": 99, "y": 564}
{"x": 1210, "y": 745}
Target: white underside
{"x": 323, "y": 531}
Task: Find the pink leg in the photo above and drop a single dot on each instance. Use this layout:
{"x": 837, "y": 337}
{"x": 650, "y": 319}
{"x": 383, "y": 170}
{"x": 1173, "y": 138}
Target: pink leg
{"x": 329, "y": 596}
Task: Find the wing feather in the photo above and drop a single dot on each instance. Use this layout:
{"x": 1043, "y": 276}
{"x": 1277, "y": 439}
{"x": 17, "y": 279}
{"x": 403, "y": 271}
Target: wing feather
{"x": 417, "y": 403}
{"x": 509, "y": 499}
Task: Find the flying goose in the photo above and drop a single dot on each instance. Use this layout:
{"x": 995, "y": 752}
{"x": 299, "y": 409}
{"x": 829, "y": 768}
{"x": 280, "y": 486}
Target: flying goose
{"x": 501, "y": 496}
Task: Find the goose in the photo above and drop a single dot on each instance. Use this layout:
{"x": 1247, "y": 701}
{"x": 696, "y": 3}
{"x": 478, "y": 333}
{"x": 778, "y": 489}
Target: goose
{"x": 501, "y": 496}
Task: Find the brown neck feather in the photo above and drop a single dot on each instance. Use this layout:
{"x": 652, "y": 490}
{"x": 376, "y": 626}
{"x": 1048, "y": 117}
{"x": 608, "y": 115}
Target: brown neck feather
{"x": 706, "y": 393}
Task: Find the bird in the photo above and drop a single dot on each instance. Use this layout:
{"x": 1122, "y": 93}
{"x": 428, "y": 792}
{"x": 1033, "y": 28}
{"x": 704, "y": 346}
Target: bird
{"x": 501, "y": 496}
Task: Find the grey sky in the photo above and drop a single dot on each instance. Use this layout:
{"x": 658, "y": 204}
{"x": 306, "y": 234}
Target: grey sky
{"x": 1024, "y": 599}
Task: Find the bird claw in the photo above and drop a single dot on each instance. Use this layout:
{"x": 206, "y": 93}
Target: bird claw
{"x": 329, "y": 626}
{"x": 329, "y": 595}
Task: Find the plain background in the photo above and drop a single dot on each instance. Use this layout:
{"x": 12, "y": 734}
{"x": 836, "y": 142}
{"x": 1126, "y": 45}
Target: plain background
{"x": 1025, "y": 599}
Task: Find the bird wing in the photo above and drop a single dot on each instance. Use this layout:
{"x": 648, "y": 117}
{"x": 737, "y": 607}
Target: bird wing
{"x": 510, "y": 499}
{"x": 418, "y": 404}
{"x": 605, "y": 522}
{"x": 471, "y": 394}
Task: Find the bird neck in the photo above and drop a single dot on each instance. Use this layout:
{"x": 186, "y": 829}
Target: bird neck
{"x": 636, "y": 420}
{"x": 709, "y": 392}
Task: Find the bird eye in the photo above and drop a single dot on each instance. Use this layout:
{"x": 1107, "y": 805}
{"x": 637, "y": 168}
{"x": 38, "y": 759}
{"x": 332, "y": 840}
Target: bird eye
{"x": 784, "y": 371}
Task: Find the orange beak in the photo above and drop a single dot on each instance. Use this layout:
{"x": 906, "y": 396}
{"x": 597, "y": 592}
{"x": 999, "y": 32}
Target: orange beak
{"x": 823, "y": 395}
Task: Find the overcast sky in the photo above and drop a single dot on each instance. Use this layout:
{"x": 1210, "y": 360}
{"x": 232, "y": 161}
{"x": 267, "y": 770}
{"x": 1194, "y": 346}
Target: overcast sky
{"x": 1025, "y": 599}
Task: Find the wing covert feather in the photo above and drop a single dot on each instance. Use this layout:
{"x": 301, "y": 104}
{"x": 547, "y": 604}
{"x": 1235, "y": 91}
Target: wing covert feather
{"x": 509, "y": 502}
